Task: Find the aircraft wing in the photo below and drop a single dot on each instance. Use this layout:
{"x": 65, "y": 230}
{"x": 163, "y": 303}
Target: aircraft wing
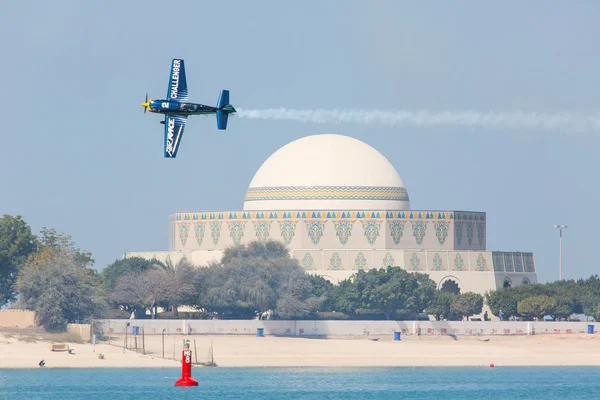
{"x": 174, "y": 126}
{"x": 177, "y": 90}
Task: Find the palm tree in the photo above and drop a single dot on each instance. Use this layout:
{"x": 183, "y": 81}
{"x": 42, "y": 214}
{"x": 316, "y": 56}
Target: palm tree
{"x": 178, "y": 280}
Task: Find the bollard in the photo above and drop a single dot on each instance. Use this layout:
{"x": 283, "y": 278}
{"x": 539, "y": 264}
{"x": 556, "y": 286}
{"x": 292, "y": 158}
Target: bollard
{"x": 260, "y": 332}
{"x": 186, "y": 368}
{"x": 396, "y": 335}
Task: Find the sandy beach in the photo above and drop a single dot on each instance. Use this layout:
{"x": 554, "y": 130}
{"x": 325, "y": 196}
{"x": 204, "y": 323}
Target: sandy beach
{"x": 22, "y": 352}
{"x": 251, "y": 351}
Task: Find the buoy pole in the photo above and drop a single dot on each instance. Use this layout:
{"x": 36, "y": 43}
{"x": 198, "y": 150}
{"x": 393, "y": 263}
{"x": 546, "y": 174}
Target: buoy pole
{"x": 186, "y": 368}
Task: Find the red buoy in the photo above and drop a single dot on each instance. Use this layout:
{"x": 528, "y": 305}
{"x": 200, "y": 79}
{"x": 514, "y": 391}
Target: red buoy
{"x": 186, "y": 368}
{"x": 492, "y": 365}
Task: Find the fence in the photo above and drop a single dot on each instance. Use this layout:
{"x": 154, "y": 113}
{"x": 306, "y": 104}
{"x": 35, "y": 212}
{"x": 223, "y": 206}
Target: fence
{"x": 164, "y": 345}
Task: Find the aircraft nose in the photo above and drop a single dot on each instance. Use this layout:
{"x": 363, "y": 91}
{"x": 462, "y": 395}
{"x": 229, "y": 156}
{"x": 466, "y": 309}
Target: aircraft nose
{"x": 146, "y": 106}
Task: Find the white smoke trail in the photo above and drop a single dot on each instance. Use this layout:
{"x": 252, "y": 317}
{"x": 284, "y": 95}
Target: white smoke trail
{"x": 566, "y": 122}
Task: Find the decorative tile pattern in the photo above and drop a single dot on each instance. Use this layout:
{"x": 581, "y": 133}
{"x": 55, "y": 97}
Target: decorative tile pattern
{"x": 215, "y": 231}
{"x": 262, "y": 229}
{"x": 480, "y": 233}
{"x": 335, "y": 262}
{"x": 458, "y": 231}
{"x": 438, "y": 263}
{"x": 332, "y": 214}
{"x": 470, "y": 232}
{"x": 199, "y": 228}
{"x": 415, "y": 262}
{"x": 481, "y": 263}
{"x": 459, "y": 263}
{"x": 441, "y": 231}
{"x": 343, "y": 229}
{"x": 183, "y": 232}
{"x": 419, "y": 228}
{"x": 288, "y": 230}
{"x": 327, "y": 193}
{"x": 371, "y": 228}
{"x": 315, "y": 228}
{"x": 388, "y": 260}
{"x": 236, "y": 231}
{"x": 307, "y": 262}
{"x": 360, "y": 263}
{"x": 396, "y": 230}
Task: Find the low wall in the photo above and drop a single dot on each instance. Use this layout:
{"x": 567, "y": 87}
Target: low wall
{"x": 83, "y": 330}
{"x": 342, "y": 328}
{"x": 21, "y": 319}
{"x": 17, "y": 319}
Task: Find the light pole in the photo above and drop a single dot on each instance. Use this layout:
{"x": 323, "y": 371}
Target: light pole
{"x": 561, "y": 227}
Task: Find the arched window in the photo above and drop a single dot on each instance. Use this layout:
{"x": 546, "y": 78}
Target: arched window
{"x": 525, "y": 281}
{"x": 507, "y": 282}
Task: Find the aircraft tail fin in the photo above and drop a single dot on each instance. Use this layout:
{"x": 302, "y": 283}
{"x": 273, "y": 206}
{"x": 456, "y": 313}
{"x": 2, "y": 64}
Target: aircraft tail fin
{"x": 223, "y": 99}
{"x": 223, "y": 110}
{"x": 222, "y": 118}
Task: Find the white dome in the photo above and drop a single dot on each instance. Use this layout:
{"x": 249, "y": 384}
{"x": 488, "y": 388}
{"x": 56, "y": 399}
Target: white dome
{"x": 326, "y": 172}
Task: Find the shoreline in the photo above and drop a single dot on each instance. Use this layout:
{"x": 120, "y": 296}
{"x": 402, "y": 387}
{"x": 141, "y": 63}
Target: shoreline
{"x": 245, "y": 351}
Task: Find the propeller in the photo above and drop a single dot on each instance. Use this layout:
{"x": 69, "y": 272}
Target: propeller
{"x": 146, "y": 105}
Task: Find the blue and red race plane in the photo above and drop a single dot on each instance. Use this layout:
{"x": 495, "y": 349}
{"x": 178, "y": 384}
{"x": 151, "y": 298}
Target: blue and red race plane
{"x": 177, "y": 108}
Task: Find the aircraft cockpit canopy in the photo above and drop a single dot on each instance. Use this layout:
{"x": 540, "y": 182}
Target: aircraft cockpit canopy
{"x": 188, "y": 107}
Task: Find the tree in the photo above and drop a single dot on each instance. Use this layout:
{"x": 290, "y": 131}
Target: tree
{"x": 60, "y": 291}
{"x": 178, "y": 280}
{"x": 295, "y": 297}
{"x": 564, "y": 307}
{"x": 51, "y": 242}
{"x": 570, "y": 296}
{"x": 139, "y": 291}
{"x": 502, "y": 300}
{"x": 589, "y": 296}
{"x": 268, "y": 250}
{"x": 16, "y": 244}
{"x": 346, "y": 295}
{"x": 591, "y": 305}
{"x": 441, "y": 307}
{"x": 255, "y": 278}
{"x": 467, "y": 304}
{"x": 594, "y": 311}
{"x": 113, "y": 272}
{"x": 324, "y": 290}
{"x": 391, "y": 291}
{"x": 536, "y": 306}
{"x": 242, "y": 287}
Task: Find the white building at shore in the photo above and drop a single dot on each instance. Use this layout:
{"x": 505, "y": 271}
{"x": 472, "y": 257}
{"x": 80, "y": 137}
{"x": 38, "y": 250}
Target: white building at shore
{"x": 340, "y": 206}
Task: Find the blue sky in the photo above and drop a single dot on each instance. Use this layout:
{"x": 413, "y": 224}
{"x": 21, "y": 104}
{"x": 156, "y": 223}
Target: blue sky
{"x": 80, "y": 155}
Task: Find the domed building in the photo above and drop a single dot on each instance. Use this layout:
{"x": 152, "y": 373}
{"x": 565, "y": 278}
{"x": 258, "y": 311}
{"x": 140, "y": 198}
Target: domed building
{"x": 340, "y": 206}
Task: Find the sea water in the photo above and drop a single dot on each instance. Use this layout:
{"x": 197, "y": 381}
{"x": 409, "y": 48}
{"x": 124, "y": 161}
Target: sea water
{"x": 423, "y": 383}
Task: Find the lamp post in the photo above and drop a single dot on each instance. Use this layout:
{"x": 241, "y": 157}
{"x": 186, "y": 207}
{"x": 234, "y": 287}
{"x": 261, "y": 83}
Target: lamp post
{"x": 560, "y": 227}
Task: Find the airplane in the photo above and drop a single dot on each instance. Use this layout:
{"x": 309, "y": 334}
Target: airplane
{"x": 176, "y": 108}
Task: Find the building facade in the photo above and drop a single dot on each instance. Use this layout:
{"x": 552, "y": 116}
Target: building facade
{"x": 340, "y": 206}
